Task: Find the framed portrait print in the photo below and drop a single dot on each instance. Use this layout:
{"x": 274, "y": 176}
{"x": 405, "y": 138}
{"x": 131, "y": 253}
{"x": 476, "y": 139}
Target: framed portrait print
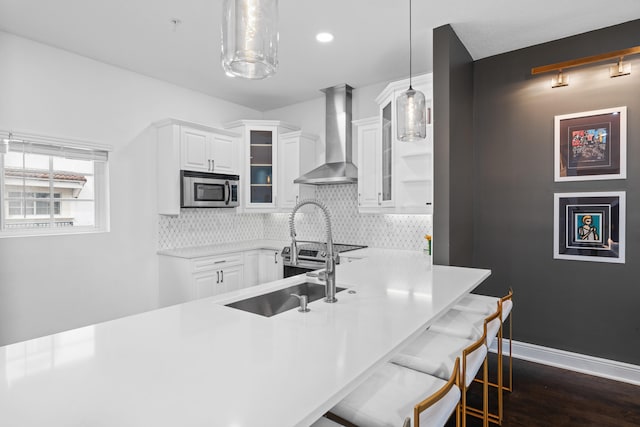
{"x": 591, "y": 145}
{"x": 589, "y": 226}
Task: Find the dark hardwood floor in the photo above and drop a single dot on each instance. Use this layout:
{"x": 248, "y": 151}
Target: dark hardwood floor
{"x": 546, "y": 396}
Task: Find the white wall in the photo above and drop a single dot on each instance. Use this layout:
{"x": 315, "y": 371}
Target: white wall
{"x": 54, "y": 283}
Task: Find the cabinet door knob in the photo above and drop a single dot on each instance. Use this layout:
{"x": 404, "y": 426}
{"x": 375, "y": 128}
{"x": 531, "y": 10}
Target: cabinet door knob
{"x": 379, "y": 202}
{"x": 222, "y": 276}
{"x": 275, "y": 257}
{"x": 218, "y": 281}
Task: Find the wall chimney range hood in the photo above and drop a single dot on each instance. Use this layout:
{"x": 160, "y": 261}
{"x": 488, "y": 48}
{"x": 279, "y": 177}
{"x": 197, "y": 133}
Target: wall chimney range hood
{"x": 338, "y": 168}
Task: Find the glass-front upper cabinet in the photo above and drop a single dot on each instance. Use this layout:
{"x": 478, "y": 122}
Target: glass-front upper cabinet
{"x": 385, "y": 194}
{"x": 403, "y": 172}
{"x": 261, "y": 155}
{"x": 259, "y": 180}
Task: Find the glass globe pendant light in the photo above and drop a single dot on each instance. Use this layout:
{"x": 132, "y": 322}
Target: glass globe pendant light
{"x": 250, "y": 38}
{"x": 411, "y": 108}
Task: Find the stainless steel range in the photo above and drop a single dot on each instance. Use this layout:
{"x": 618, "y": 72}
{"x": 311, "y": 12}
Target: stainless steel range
{"x": 311, "y": 256}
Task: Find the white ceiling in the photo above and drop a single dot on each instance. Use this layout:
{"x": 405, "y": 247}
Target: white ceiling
{"x": 370, "y": 46}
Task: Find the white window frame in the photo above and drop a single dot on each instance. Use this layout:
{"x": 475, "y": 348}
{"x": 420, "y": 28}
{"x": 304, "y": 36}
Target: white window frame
{"x": 58, "y": 146}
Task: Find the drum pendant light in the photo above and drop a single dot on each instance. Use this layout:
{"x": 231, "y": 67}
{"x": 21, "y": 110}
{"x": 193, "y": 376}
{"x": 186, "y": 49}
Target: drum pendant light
{"x": 250, "y": 38}
{"x": 411, "y": 108}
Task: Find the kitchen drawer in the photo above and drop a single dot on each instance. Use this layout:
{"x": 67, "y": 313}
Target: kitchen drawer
{"x": 216, "y": 262}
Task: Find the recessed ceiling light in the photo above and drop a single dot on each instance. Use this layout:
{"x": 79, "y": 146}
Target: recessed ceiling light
{"x": 324, "y": 37}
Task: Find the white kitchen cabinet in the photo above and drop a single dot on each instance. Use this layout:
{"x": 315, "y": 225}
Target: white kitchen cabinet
{"x": 204, "y": 285}
{"x": 259, "y": 156}
{"x": 225, "y": 153}
{"x": 183, "y": 145}
{"x": 369, "y": 163}
{"x": 184, "y": 279}
{"x": 297, "y": 157}
{"x": 208, "y": 151}
{"x": 251, "y": 268}
{"x": 215, "y": 282}
{"x": 194, "y": 150}
{"x": 270, "y": 265}
{"x": 232, "y": 278}
{"x": 395, "y": 176}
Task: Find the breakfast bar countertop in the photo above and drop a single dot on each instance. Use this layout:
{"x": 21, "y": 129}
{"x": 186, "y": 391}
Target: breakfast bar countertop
{"x": 204, "y": 364}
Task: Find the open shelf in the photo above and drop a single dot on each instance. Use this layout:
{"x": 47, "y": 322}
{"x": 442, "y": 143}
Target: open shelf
{"x": 416, "y": 154}
{"x": 410, "y": 180}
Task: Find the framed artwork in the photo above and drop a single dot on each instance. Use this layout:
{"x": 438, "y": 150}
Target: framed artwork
{"x": 591, "y": 145}
{"x": 589, "y": 226}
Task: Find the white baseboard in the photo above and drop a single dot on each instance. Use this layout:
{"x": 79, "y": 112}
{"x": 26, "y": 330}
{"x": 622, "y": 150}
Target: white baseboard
{"x": 605, "y": 368}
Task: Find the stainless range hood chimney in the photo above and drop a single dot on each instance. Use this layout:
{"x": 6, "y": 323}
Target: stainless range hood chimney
{"x": 338, "y": 168}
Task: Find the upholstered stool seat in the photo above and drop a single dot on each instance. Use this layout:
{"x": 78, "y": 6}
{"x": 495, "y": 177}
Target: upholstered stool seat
{"x": 434, "y": 354}
{"x": 389, "y": 396}
{"x": 483, "y": 304}
{"x": 467, "y": 325}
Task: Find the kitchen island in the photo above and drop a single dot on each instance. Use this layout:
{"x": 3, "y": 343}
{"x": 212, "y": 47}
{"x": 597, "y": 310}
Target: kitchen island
{"x": 204, "y": 364}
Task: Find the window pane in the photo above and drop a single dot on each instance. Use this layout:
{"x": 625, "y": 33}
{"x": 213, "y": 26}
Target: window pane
{"x": 42, "y": 208}
{"x": 13, "y": 160}
{"x": 36, "y": 161}
{"x": 82, "y": 167}
{"x": 82, "y": 189}
{"x": 77, "y": 213}
{"x": 15, "y": 207}
{"x": 17, "y": 218}
{"x": 49, "y": 191}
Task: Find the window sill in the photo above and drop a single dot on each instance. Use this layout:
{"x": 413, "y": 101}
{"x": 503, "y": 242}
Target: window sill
{"x": 52, "y": 232}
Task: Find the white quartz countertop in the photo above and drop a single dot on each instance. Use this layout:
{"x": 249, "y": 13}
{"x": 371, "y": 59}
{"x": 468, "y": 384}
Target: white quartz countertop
{"x": 204, "y": 364}
{"x": 222, "y": 248}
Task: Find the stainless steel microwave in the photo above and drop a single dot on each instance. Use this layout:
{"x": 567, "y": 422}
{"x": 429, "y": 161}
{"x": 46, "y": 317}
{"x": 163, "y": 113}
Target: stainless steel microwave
{"x": 209, "y": 190}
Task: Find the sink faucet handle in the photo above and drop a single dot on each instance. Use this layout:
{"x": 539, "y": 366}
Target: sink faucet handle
{"x": 303, "y": 303}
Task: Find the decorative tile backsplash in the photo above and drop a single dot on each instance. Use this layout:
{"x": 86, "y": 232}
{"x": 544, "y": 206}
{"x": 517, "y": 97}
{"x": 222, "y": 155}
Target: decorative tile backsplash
{"x": 200, "y": 227}
{"x": 196, "y": 227}
{"x": 350, "y": 226}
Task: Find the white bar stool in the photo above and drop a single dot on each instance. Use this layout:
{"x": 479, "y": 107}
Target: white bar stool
{"x": 433, "y": 353}
{"x": 483, "y": 304}
{"x": 471, "y": 325}
{"x": 394, "y": 393}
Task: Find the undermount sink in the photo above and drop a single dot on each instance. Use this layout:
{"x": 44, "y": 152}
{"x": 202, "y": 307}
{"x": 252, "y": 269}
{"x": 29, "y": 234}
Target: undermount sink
{"x": 281, "y": 300}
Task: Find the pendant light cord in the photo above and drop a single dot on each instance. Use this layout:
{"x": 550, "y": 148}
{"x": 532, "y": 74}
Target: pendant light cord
{"x": 410, "y": 87}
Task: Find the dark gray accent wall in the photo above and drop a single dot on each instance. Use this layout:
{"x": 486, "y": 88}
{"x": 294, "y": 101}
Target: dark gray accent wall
{"x": 453, "y": 149}
{"x": 585, "y": 307}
